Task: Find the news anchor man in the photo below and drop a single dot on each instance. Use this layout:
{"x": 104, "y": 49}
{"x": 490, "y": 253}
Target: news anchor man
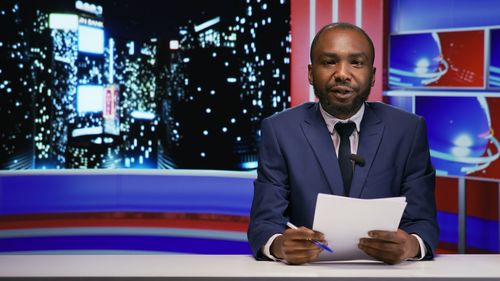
{"x": 342, "y": 145}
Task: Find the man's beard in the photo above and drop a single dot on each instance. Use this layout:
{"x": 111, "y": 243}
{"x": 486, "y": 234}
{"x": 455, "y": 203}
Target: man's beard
{"x": 340, "y": 109}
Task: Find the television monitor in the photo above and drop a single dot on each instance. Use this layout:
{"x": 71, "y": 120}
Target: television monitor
{"x": 462, "y": 144}
{"x": 436, "y": 60}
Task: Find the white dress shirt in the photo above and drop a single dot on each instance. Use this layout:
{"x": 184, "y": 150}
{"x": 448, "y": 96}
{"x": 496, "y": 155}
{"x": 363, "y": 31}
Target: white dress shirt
{"x": 330, "y": 122}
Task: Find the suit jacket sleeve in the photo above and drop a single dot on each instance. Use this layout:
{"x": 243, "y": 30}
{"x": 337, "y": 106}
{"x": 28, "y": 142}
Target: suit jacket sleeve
{"x": 418, "y": 187}
{"x": 271, "y": 192}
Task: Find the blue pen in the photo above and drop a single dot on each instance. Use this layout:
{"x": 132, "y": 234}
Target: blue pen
{"x": 317, "y": 243}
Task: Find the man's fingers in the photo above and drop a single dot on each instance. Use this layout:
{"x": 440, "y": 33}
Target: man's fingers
{"x": 379, "y": 244}
{"x": 392, "y": 236}
{"x": 295, "y": 256}
{"x": 303, "y": 233}
{"x": 390, "y": 254}
{"x": 382, "y": 235}
{"x": 302, "y": 252}
{"x": 297, "y": 245}
{"x": 318, "y": 236}
{"x": 390, "y": 249}
{"x": 381, "y": 255}
{"x": 302, "y": 245}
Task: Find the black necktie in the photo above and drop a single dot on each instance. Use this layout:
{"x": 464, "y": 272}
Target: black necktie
{"x": 346, "y": 168}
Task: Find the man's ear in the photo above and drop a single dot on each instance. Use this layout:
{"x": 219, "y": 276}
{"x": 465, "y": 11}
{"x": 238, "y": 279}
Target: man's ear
{"x": 373, "y": 76}
{"x": 310, "y": 74}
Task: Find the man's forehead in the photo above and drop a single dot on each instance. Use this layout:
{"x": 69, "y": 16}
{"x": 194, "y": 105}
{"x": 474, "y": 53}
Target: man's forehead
{"x": 336, "y": 35}
{"x": 336, "y": 32}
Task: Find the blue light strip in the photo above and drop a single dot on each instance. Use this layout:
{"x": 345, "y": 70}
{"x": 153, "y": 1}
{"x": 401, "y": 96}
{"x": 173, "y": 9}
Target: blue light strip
{"x": 126, "y": 231}
{"x": 120, "y": 242}
{"x": 73, "y": 193}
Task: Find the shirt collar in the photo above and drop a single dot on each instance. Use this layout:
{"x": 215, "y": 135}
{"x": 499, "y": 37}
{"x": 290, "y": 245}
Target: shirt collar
{"x": 331, "y": 120}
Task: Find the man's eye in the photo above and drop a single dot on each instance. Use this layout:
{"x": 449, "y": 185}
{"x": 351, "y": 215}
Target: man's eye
{"x": 357, "y": 63}
{"x": 327, "y": 62}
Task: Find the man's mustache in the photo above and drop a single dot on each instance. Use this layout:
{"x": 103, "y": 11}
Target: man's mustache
{"x": 342, "y": 87}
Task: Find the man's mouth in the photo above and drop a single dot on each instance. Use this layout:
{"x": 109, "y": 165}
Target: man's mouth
{"x": 342, "y": 91}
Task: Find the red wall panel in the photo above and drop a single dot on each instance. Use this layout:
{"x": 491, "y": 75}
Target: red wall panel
{"x": 447, "y": 194}
{"x": 482, "y": 199}
{"x": 299, "y": 22}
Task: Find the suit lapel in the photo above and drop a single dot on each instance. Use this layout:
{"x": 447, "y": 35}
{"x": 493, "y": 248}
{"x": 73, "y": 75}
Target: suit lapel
{"x": 369, "y": 140}
{"x": 319, "y": 138}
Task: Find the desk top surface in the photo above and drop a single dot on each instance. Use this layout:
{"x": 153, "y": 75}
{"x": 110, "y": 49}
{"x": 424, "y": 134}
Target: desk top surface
{"x": 239, "y": 266}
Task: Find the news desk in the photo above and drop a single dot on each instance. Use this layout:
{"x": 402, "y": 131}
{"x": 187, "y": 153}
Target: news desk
{"x": 238, "y": 267}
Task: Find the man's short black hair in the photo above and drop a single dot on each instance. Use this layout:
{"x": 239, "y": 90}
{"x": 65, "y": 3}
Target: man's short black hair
{"x": 342, "y": 25}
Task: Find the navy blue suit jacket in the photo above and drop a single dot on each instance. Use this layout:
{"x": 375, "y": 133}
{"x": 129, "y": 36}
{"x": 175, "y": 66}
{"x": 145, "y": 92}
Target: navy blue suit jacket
{"x": 297, "y": 160}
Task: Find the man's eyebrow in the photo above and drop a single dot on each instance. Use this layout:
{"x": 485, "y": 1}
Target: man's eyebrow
{"x": 357, "y": 55}
{"x": 351, "y": 55}
{"x": 327, "y": 54}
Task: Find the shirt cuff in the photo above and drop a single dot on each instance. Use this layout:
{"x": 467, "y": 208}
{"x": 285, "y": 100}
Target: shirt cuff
{"x": 422, "y": 249}
{"x": 266, "y": 249}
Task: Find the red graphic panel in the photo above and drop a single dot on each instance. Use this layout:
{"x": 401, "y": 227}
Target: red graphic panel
{"x": 464, "y": 53}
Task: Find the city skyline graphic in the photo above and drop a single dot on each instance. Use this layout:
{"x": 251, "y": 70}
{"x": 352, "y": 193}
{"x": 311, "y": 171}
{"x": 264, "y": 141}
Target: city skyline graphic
{"x": 84, "y": 88}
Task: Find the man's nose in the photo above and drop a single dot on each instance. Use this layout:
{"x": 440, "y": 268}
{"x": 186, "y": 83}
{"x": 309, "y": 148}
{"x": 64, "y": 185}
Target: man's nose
{"x": 342, "y": 72}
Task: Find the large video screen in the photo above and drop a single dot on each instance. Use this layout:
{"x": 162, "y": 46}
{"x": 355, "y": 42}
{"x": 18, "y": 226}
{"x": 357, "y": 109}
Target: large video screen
{"x": 436, "y": 60}
{"x": 462, "y": 144}
{"x": 191, "y": 82}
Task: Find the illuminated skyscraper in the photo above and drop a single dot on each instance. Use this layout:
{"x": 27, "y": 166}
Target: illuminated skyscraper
{"x": 136, "y": 67}
{"x": 226, "y": 75}
{"x": 89, "y": 145}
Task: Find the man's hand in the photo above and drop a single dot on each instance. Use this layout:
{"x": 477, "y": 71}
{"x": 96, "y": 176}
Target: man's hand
{"x": 295, "y": 245}
{"x": 390, "y": 247}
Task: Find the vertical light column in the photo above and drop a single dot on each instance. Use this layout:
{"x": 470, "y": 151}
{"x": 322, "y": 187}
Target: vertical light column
{"x": 462, "y": 211}
{"x": 359, "y": 13}
{"x": 335, "y": 10}
{"x": 111, "y": 66}
{"x": 312, "y": 32}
